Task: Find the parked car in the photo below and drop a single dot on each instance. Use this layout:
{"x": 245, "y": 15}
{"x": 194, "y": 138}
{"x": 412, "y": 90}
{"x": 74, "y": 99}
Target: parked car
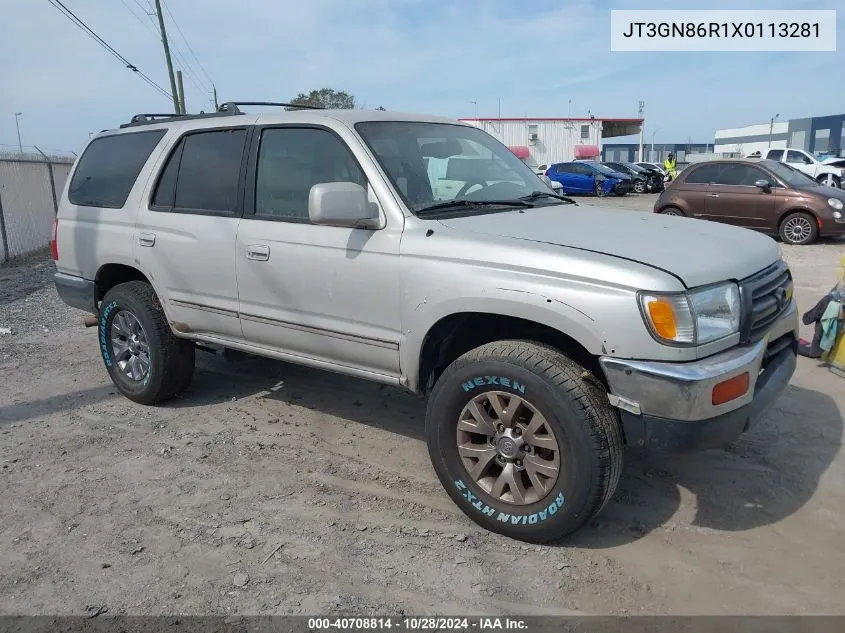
{"x": 589, "y": 177}
{"x": 657, "y": 166}
{"x": 824, "y": 173}
{"x": 764, "y": 195}
{"x": 644, "y": 180}
{"x": 545, "y": 334}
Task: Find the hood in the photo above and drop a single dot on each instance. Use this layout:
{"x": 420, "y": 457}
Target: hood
{"x": 618, "y": 175}
{"x": 698, "y": 252}
{"x": 823, "y": 191}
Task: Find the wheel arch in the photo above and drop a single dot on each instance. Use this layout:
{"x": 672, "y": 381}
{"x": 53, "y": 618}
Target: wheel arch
{"x": 791, "y": 210}
{"x": 454, "y": 332}
{"x": 112, "y": 274}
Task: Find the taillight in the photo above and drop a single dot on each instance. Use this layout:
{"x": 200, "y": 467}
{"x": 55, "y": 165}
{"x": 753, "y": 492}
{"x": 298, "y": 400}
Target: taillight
{"x": 54, "y": 246}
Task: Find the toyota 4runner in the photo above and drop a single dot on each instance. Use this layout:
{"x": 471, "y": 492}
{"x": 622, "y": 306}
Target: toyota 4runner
{"x": 420, "y": 252}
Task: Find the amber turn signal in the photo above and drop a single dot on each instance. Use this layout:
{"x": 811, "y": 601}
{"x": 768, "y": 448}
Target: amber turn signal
{"x": 663, "y": 318}
{"x": 731, "y": 389}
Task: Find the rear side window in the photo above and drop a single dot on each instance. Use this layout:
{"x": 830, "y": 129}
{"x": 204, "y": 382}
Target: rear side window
{"x": 703, "y": 175}
{"x": 109, "y": 167}
{"x": 202, "y": 173}
{"x": 775, "y": 154}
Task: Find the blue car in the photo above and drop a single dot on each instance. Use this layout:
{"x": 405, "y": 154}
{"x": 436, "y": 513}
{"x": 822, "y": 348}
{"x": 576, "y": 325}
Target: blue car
{"x": 589, "y": 177}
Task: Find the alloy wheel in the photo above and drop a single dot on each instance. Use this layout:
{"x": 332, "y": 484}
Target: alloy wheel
{"x": 508, "y": 448}
{"x": 129, "y": 346}
{"x": 797, "y": 229}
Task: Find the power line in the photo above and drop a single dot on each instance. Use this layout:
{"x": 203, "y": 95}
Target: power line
{"x": 185, "y": 39}
{"x": 57, "y": 4}
{"x": 178, "y": 54}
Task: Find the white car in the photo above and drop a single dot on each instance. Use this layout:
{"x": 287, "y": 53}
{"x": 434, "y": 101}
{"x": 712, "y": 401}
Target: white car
{"x": 805, "y": 162}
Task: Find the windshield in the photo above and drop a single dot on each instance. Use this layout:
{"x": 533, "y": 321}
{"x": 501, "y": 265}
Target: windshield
{"x": 436, "y": 163}
{"x": 791, "y": 176}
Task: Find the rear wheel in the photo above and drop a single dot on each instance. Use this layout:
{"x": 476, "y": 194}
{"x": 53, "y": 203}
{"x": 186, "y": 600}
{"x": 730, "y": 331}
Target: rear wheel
{"x": 145, "y": 361}
{"x": 524, "y": 440}
{"x": 830, "y": 180}
{"x": 799, "y": 228}
{"x": 671, "y": 211}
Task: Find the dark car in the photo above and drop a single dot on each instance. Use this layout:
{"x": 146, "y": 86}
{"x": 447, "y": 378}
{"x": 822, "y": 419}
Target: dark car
{"x": 644, "y": 180}
{"x": 764, "y": 195}
{"x": 589, "y": 177}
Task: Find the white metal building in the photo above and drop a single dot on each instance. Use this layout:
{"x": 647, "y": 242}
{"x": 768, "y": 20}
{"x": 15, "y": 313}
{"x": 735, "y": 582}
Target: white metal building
{"x": 742, "y": 141}
{"x": 543, "y": 141}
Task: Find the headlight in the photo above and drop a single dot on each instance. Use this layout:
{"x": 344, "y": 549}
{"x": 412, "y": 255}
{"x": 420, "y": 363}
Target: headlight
{"x": 692, "y": 318}
{"x": 835, "y": 203}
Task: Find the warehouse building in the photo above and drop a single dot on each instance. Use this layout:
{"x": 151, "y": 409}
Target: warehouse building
{"x": 652, "y": 152}
{"x": 542, "y": 141}
{"x": 822, "y": 136}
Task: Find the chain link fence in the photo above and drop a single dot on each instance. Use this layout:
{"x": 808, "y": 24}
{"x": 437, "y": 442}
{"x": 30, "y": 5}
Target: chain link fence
{"x": 31, "y": 185}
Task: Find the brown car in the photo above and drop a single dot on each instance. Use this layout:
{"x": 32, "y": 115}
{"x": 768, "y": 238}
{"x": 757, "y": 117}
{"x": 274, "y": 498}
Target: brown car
{"x": 763, "y": 195}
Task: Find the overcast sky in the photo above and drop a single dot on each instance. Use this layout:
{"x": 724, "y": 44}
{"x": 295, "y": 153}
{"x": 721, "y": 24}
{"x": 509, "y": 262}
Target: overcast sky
{"x": 431, "y": 56}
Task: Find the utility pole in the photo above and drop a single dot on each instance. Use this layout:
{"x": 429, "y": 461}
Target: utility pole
{"x": 173, "y": 91}
{"x": 18, "y": 126}
{"x": 642, "y": 129}
{"x": 771, "y": 127}
{"x": 475, "y": 103}
{"x": 500, "y": 107}
{"x": 181, "y": 91}
{"x": 216, "y": 106}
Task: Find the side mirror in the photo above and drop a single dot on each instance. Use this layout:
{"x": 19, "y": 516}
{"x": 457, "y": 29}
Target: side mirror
{"x": 342, "y": 204}
{"x": 763, "y": 184}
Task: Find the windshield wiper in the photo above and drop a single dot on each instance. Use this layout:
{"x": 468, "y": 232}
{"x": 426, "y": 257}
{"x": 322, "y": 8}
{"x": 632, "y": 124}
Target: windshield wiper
{"x": 473, "y": 204}
{"x": 536, "y": 195}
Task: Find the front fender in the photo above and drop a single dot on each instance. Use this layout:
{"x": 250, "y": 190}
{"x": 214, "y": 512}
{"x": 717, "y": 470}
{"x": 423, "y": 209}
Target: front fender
{"x": 530, "y": 305}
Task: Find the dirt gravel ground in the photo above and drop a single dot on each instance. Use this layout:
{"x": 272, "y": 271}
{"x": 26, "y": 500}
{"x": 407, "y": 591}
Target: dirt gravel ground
{"x": 273, "y": 489}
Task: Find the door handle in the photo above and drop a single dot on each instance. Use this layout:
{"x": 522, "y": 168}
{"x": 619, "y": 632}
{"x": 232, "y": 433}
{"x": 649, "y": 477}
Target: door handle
{"x": 147, "y": 239}
{"x": 712, "y": 195}
{"x": 258, "y": 252}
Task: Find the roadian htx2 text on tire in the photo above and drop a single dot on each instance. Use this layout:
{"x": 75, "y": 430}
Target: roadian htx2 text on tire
{"x": 524, "y": 440}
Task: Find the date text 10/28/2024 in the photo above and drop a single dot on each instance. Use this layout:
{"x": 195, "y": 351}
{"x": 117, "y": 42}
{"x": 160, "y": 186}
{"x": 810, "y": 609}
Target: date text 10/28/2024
{"x": 418, "y": 624}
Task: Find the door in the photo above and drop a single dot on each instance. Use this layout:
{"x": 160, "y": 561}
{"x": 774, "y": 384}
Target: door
{"x": 581, "y": 177}
{"x": 694, "y": 186}
{"x": 325, "y": 293}
{"x": 802, "y": 161}
{"x": 733, "y": 197}
{"x": 185, "y": 238}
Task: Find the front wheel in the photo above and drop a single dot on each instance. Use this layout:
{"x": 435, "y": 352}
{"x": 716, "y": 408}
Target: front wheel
{"x": 799, "y": 228}
{"x": 639, "y": 186}
{"x": 144, "y": 360}
{"x": 524, "y": 440}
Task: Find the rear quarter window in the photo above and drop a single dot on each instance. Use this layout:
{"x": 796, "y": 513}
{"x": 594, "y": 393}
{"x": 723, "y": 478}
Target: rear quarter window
{"x": 109, "y": 167}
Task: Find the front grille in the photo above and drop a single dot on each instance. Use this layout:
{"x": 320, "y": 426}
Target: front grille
{"x": 765, "y": 297}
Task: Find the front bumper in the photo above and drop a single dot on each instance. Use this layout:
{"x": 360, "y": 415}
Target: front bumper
{"x": 668, "y": 406}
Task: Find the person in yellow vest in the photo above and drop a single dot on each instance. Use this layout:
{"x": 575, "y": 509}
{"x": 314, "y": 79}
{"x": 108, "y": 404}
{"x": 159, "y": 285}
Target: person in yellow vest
{"x": 671, "y": 166}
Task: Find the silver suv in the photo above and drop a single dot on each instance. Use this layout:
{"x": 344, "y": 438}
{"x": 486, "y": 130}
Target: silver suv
{"x": 420, "y": 252}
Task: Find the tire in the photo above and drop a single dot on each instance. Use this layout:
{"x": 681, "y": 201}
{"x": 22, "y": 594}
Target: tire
{"x": 639, "y": 186}
{"x": 145, "y": 361}
{"x": 830, "y": 180}
{"x": 582, "y": 427}
{"x": 598, "y": 189}
{"x": 799, "y": 228}
{"x": 672, "y": 211}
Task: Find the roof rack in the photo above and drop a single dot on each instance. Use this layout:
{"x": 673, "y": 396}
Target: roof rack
{"x": 147, "y": 119}
{"x": 232, "y": 106}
